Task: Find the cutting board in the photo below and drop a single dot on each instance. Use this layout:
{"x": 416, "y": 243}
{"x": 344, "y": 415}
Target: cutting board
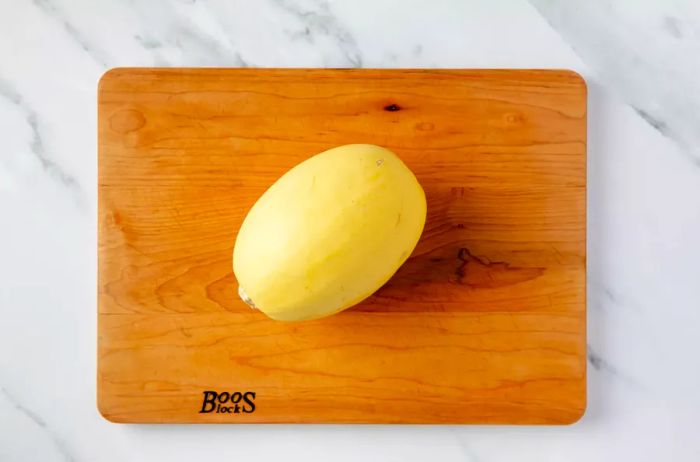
{"x": 485, "y": 323}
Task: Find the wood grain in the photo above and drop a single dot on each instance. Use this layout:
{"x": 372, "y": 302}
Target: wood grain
{"x": 486, "y": 321}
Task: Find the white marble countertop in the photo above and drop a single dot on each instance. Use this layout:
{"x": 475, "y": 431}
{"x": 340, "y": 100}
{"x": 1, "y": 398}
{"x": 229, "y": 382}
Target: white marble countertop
{"x": 641, "y": 61}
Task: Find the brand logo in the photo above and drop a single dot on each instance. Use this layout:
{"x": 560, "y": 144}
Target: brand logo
{"x": 228, "y": 403}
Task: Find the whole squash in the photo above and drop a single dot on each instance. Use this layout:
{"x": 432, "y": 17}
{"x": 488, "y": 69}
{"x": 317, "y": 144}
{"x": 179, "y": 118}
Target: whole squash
{"x": 328, "y": 233}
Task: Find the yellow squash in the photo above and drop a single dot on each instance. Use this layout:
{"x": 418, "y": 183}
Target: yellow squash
{"x": 328, "y": 233}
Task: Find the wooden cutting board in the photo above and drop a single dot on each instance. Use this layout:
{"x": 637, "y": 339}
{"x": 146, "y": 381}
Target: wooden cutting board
{"x": 486, "y": 321}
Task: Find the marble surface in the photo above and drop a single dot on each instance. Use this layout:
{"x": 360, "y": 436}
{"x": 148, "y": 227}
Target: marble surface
{"x": 641, "y": 60}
